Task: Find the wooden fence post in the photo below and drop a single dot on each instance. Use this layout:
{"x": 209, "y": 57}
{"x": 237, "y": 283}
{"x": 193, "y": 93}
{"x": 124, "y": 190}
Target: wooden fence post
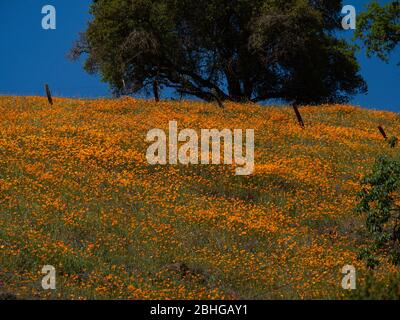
{"x": 298, "y": 115}
{"x": 156, "y": 91}
{"x": 48, "y": 93}
{"x": 382, "y": 131}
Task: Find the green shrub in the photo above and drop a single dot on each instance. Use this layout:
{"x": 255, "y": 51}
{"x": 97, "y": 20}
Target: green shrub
{"x": 379, "y": 201}
{"x": 375, "y": 289}
{"x": 393, "y": 141}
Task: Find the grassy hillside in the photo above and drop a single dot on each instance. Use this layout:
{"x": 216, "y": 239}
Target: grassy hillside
{"x": 76, "y": 192}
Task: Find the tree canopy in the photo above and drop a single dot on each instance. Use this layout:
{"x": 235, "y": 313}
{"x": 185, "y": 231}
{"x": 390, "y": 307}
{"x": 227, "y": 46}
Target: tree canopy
{"x": 238, "y": 50}
{"x": 379, "y": 28}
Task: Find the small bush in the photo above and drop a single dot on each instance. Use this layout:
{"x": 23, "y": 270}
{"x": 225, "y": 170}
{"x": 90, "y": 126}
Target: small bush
{"x": 379, "y": 201}
{"x": 393, "y": 141}
{"x": 378, "y": 289}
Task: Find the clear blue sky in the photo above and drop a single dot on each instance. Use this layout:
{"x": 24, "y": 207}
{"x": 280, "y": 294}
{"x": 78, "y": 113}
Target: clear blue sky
{"x": 31, "y": 56}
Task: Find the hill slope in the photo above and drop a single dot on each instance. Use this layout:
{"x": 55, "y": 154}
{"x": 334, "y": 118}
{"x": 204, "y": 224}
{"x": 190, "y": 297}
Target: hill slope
{"x": 76, "y": 192}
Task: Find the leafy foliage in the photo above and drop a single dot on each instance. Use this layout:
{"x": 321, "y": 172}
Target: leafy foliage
{"x": 393, "y": 141}
{"x": 379, "y": 200}
{"x": 238, "y": 50}
{"x": 379, "y": 28}
{"x": 378, "y": 289}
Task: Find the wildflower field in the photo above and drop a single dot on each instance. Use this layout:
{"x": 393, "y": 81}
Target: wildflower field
{"x": 77, "y": 193}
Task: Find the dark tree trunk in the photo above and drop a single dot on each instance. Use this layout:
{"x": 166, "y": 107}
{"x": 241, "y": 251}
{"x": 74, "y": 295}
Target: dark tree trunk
{"x": 217, "y": 99}
{"x": 234, "y": 89}
{"x": 248, "y": 89}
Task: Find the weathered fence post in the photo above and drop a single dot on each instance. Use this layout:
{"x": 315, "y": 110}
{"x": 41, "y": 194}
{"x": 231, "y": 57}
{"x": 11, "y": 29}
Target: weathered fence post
{"x": 156, "y": 91}
{"x": 48, "y": 93}
{"x": 382, "y": 131}
{"x": 298, "y": 115}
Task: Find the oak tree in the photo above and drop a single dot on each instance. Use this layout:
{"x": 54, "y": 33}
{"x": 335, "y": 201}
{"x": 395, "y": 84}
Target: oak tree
{"x": 237, "y": 50}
